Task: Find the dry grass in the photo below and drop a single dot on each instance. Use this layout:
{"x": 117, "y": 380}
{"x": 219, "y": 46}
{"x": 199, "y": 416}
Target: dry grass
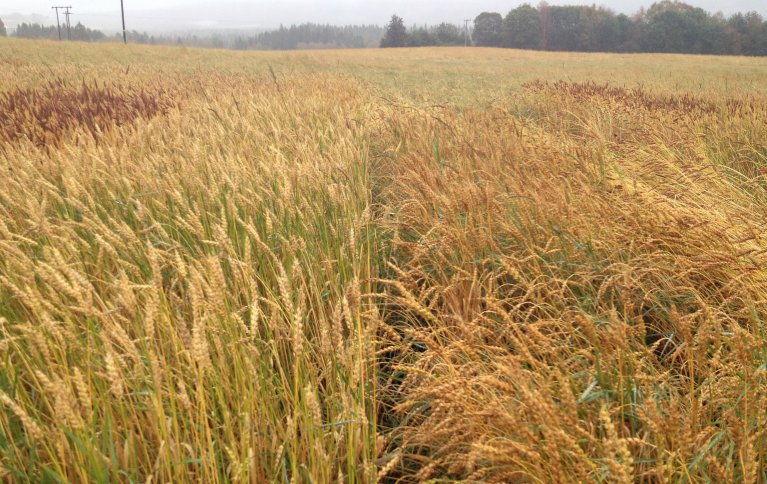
{"x": 325, "y": 268}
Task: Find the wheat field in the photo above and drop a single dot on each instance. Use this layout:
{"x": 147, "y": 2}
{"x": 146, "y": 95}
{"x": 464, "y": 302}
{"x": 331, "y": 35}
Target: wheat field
{"x": 416, "y": 265}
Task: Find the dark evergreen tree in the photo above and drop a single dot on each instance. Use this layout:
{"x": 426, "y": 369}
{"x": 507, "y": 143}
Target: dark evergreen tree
{"x": 82, "y": 33}
{"x": 36, "y": 31}
{"x": 488, "y": 29}
{"x": 314, "y": 36}
{"x": 79, "y": 32}
{"x": 444, "y": 34}
{"x": 396, "y": 33}
{"x": 3, "y": 32}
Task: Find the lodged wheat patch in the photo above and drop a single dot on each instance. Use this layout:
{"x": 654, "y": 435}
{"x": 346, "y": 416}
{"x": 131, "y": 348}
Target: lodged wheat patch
{"x": 582, "y": 296}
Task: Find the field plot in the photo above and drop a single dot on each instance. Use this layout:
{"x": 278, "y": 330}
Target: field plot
{"x": 360, "y": 266}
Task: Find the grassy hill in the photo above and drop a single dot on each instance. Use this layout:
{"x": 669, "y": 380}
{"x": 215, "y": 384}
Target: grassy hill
{"x": 394, "y": 265}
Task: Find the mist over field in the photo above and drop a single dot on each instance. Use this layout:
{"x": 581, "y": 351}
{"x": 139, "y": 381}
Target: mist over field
{"x": 170, "y": 15}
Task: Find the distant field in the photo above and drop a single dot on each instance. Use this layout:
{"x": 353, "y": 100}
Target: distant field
{"x": 384, "y": 265}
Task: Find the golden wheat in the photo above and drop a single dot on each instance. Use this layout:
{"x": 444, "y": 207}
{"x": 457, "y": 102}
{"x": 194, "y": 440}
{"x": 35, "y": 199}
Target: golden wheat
{"x": 381, "y": 266}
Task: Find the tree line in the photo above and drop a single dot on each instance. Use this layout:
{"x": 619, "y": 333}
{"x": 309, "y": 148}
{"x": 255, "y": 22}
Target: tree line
{"x": 36, "y": 31}
{"x": 444, "y": 34}
{"x": 313, "y": 36}
{"x": 667, "y": 26}
{"x": 303, "y": 36}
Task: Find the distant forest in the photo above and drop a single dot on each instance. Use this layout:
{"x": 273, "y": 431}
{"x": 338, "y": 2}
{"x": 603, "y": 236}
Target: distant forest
{"x": 667, "y": 26}
{"x": 77, "y": 32}
{"x": 304, "y": 36}
{"x": 664, "y": 27}
{"x": 308, "y": 36}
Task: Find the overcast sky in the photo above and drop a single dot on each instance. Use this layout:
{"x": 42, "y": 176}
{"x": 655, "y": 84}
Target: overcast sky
{"x": 175, "y": 14}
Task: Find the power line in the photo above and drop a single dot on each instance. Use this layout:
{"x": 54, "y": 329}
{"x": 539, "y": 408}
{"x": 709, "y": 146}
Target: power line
{"x": 122, "y": 10}
{"x": 466, "y": 32}
{"x": 58, "y": 24}
{"x": 112, "y": 14}
{"x": 67, "y": 13}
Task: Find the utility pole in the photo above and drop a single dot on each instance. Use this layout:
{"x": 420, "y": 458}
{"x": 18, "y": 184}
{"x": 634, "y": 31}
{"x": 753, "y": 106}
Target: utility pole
{"x": 122, "y": 10}
{"x": 58, "y": 25}
{"x": 466, "y": 32}
{"x": 67, "y": 13}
